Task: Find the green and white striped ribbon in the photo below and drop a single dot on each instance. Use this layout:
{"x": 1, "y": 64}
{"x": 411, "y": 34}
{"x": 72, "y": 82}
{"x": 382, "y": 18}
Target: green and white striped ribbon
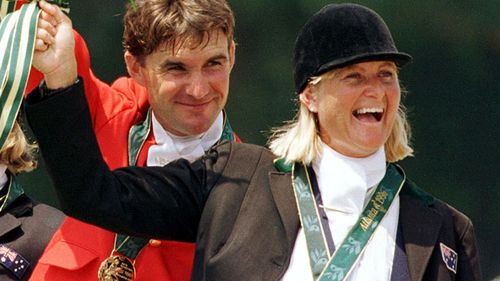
{"x": 6, "y": 7}
{"x": 17, "y": 41}
{"x": 17, "y": 44}
{"x": 9, "y": 6}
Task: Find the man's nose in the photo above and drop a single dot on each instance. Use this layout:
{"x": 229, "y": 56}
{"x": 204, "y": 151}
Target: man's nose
{"x": 198, "y": 86}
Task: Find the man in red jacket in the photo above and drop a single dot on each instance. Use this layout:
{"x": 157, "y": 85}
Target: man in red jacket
{"x": 179, "y": 55}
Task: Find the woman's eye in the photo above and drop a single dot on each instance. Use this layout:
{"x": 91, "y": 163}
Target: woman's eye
{"x": 353, "y": 75}
{"x": 387, "y": 75}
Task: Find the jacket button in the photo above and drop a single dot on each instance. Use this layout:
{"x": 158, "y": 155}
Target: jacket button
{"x": 154, "y": 242}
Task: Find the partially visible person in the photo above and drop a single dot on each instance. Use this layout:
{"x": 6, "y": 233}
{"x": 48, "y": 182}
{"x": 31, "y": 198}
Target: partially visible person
{"x": 26, "y": 226}
{"x": 179, "y": 55}
{"x": 327, "y": 202}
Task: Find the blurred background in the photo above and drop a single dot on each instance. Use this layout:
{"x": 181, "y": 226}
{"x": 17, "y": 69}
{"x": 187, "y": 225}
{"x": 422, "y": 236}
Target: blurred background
{"x": 453, "y": 89}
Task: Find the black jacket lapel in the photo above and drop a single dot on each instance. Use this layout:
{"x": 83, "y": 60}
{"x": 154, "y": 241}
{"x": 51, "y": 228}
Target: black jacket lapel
{"x": 281, "y": 189}
{"x": 420, "y": 226}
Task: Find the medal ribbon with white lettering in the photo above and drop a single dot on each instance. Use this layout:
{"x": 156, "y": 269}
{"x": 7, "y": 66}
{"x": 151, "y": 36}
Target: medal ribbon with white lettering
{"x": 310, "y": 220}
{"x": 347, "y": 254}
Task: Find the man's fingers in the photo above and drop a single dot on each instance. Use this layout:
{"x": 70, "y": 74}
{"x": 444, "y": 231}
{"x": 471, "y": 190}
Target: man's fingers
{"x": 47, "y": 26}
{"x": 45, "y": 37}
{"x": 48, "y": 18}
{"x": 47, "y": 8}
{"x": 40, "y": 45}
{"x": 53, "y": 11}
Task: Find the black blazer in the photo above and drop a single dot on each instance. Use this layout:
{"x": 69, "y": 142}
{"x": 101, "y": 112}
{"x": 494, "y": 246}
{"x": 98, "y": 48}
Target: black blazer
{"x": 26, "y": 227}
{"x": 233, "y": 202}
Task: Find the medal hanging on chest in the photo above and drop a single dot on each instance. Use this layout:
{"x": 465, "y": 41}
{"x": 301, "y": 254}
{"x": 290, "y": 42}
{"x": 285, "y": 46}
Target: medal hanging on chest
{"x": 116, "y": 268}
{"x": 120, "y": 265}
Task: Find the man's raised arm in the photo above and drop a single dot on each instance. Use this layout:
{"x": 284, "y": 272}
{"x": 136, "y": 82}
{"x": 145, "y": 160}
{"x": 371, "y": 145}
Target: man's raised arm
{"x": 161, "y": 202}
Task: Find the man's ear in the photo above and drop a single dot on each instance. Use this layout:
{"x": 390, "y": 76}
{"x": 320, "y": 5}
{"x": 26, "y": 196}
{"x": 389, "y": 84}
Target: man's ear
{"x": 134, "y": 68}
{"x": 232, "y": 54}
{"x": 309, "y": 98}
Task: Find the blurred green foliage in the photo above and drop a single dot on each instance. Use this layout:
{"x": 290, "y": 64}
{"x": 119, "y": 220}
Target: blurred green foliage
{"x": 453, "y": 89}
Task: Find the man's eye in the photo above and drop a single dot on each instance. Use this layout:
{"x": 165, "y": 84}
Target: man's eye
{"x": 175, "y": 68}
{"x": 214, "y": 63}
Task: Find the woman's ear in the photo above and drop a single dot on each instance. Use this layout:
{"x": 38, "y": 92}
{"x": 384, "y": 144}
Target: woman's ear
{"x": 134, "y": 68}
{"x": 308, "y": 97}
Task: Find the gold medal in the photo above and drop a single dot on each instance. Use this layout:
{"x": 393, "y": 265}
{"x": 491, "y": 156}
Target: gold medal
{"x": 116, "y": 268}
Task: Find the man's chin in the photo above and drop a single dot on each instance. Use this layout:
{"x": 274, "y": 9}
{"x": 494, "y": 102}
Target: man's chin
{"x": 195, "y": 129}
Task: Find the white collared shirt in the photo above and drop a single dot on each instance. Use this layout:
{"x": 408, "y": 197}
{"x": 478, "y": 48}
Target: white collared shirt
{"x": 3, "y": 178}
{"x": 170, "y": 147}
{"x": 346, "y": 184}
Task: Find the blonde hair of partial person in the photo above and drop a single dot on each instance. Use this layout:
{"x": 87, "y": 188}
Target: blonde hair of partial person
{"x": 17, "y": 153}
{"x": 299, "y": 140}
{"x": 152, "y": 24}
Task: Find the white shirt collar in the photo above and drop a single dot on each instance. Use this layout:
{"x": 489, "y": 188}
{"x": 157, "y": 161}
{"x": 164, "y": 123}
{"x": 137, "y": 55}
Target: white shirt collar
{"x": 3, "y": 178}
{"x": 345, "y": 181}
{"x": 170, "y": 147}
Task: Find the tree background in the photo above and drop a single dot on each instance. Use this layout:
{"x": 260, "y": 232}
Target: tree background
{"x": 453, "y": 89}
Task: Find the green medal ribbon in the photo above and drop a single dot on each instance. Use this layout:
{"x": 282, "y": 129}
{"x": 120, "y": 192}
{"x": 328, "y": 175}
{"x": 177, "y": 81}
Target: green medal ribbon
{"x": 310, "y": 220}
{"x": 339, "y": 266}
{"x": 227, "y": 131}
{"x": 130, "y": 246}
{"x": 6, "y": 7}
{"x": 17, "y": 38}
{"x": 137, "y": 136}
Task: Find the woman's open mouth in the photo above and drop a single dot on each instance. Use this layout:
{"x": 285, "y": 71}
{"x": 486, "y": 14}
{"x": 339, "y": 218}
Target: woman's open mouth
{"x": 369, "y": 114}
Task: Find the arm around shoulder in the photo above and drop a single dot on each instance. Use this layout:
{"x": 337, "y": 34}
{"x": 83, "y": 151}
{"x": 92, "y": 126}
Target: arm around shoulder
{"x": 161, "y": 202}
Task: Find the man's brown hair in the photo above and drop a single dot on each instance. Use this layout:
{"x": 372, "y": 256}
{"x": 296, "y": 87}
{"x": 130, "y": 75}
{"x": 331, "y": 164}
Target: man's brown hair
{"x": 151, "y": 24}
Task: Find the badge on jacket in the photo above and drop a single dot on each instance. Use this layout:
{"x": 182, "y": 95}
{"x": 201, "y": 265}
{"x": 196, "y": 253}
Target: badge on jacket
{"x": 450, "y": 257}
{"x": 13, "y": 261}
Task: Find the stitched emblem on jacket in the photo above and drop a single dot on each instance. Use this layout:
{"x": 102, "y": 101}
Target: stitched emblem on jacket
{"x": 450, "y": 257}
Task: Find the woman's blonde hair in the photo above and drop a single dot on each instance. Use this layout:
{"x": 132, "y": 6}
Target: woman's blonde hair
{"x": 299, "y": 140}
{"x": 17, "y": 153}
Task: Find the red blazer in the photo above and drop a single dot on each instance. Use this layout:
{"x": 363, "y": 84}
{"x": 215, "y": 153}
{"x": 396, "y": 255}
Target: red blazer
{"x": 77, "y": 249}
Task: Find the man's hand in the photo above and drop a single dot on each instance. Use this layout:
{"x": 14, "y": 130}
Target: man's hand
{"x": 54, "y": 47}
